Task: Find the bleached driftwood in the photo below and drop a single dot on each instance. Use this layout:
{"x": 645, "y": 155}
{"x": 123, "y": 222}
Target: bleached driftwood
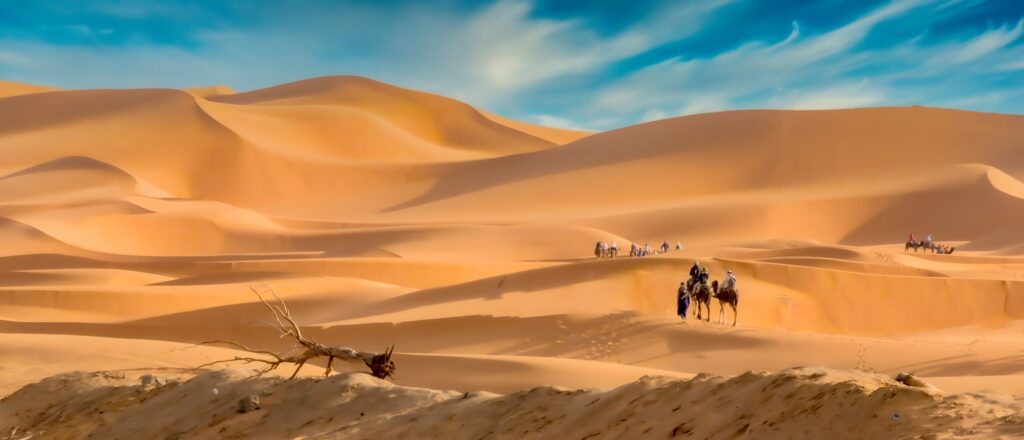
{"x": 380, "y": 364}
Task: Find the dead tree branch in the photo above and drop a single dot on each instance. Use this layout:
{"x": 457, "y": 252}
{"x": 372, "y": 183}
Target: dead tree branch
{"x": 380, "y": 364}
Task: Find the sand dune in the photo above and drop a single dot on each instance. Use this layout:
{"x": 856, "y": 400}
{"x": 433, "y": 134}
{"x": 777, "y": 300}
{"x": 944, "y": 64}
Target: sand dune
{"x": 8, "y": 88}
{"x": 210, "y": 91}
{"x": 135, "y": 222}
{"x": 440, "y": 121}
{"x": 831, "y": 403}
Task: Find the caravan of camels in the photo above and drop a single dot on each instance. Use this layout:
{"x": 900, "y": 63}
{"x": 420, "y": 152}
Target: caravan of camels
{"x": 927, "y": 244}
{"x": 697, "y": 289}
{"x": 611, "y": 250}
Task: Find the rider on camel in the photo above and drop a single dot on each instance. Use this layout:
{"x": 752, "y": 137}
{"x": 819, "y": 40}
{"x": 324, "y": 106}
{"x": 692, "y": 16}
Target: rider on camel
{"x": 729, "y": 282}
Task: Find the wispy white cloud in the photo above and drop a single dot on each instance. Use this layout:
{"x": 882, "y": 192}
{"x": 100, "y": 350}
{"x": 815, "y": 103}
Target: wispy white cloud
{"x": 557, "y": 122}
{"x": 827, "y": 70}
{"x": 859, "y": 94}
{"x": 983, "y": 44}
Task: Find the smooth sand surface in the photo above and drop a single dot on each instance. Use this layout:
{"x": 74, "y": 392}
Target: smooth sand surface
{"x": 134, "y": 222}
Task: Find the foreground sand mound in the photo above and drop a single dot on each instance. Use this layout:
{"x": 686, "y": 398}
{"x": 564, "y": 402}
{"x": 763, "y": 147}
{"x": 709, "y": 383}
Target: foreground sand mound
{"x": 794, "y": 403}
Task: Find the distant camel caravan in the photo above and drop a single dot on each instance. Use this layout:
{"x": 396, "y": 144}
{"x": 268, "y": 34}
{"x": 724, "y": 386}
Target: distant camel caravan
{"x": 611, "y": 250}
{"x": 602, "y": 250}
{"x": 928, "y": 245}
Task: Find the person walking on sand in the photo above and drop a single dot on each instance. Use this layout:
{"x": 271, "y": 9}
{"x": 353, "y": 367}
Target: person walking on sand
{"x": 682, "y": 300}
{"x": 633, "y": 250}
{"x": 679, "y": 246}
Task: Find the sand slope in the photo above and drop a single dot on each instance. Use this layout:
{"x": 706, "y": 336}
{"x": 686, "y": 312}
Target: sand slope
{"x": 812, "y": 403}
{"x": 8, "y": 88}
{"x": 135, "y": 222}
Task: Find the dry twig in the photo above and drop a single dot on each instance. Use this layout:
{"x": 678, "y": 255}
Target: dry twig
{"x": 380, "y": 364}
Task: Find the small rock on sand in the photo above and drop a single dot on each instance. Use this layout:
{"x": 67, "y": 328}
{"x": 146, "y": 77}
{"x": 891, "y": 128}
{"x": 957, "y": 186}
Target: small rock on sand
{"x": 149, "y": 379}
{"x": 249, "y": 404}
{"x": 914, "y": 381}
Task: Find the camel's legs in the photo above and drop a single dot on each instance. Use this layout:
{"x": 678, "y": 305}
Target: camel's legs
{"x": 734, "y": 313}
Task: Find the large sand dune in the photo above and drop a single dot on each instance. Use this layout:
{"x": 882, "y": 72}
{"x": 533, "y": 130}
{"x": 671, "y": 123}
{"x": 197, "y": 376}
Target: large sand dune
{"x": 134, "y": 223}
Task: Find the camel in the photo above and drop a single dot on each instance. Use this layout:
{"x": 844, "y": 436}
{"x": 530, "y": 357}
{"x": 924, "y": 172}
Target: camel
{"x": 725, "y": 296}
{"x": 701, "y": 294}
{"x": 600, "y": 250}
{"x": 613, "y": 251}
{"x": 936, "y": 248}
{"x": 912, "y": 244}
{"x": 664, "y": 247}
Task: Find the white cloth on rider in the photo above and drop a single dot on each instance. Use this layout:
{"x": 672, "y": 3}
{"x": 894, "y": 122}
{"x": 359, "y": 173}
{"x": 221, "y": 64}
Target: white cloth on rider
{"x": 729, "y": 282}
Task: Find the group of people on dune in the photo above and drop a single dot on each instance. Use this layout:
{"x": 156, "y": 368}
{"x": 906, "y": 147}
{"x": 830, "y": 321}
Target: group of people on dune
{"x": 698, "y": 290}
{"x": 928, "y": 245}
{"x": 611, "y": 250}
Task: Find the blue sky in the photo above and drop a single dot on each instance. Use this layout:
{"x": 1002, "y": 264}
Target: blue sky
{"x": 605, "y": 65}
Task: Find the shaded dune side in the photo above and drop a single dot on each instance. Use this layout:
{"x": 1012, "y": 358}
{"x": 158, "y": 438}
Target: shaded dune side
{"x": 559, "y": 136}
{"x": 809, "y": 295}
{"x": 961, "y": 203}
{"x": 435, "y": 118}
{"x": 333, "y": 152}
{"x": 724, "y": 152}
{"x": 161, "y": 136}
{"x": 168, "y": 140}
